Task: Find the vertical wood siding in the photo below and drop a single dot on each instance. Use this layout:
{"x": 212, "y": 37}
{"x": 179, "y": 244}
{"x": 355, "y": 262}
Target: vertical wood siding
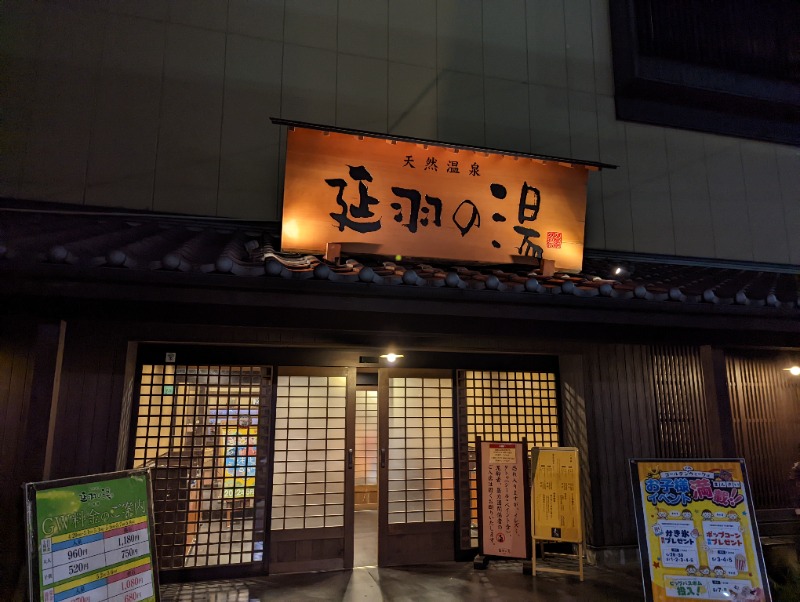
{"x": 641, "y": 402}
{"x": 620, "y": 419}
{"x": 765, "y": 403}
{"x": 90, "y": 401}
{"x": 16, "y": 370}
{"x": 680, "y": 403}
{"x": 575, "y": 433}
{"x": 29, "y": 353}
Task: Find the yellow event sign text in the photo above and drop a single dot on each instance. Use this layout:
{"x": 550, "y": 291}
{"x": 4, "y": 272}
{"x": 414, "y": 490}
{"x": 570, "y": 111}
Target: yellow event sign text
{"x": 556, "y": 494}
{"x": 395, "y": 197}
{"x": 697, "y": 531}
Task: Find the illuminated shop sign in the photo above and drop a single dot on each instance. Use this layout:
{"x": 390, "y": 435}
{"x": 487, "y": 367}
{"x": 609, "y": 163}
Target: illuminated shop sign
{"x": 398, "y": 197}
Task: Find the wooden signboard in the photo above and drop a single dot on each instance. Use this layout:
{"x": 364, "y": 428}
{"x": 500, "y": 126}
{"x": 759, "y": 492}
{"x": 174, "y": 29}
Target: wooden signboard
{"x": 698, "y": 538}
{"x": 556, "y": 513}
{"x": 503, "y": 499}
{"x": 404, "y": 198}
{"x": 92, "y": 539}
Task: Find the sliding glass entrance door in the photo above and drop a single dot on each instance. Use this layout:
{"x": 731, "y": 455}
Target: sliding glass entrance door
{"x": 312, "y": 491}
{"x": 416, "y": 499}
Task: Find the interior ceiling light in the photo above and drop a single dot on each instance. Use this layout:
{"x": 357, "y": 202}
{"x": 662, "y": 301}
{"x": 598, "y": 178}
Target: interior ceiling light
{"x": 392, "y": 357}
{"x": 794, "y": 370}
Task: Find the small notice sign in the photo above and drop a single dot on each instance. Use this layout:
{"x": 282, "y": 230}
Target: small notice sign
{"x": 556, "y": 497}
{"x": 502, "y": 453}
{"x": 90, "y": 539}
{"x": 503, "y": 510}
{"x": 698, "y": 537}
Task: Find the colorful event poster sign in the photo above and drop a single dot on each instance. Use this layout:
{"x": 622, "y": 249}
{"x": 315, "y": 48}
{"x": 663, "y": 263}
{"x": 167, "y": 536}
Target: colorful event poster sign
{"x": 556, "y": 496}
{"x": 401, "y": 197}
{"x": 503, "y": 516}
{"x": 240, "y": 461}
{"x": 91, "y": 539}
{"x": 698, "y": 537}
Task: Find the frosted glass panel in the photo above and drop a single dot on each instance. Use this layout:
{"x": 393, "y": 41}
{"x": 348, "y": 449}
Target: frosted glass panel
{"x": 314, "y": 439}
{"x": 420, "y": 450}
{"x": 315, "y": 521}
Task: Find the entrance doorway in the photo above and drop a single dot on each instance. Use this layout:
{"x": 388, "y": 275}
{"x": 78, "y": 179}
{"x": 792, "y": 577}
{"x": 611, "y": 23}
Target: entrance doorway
{"x": 260, "y": 469}
{"x": 362, "y": 475}
{"x": 416, "y": 515}
{"x": 365, "y": 505}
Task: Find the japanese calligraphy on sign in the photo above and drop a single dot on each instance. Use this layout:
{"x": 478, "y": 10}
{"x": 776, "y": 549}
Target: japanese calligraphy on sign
{"x": 556, "y": 496}
{"x": 503, "y": 518}
{"x": 697, "y": 530}
{"x": 394, "y": 197}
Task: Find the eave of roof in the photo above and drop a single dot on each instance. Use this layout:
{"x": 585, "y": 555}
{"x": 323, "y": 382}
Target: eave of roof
{"x": 325, "y": 128}
{"x": 52, "y": 247}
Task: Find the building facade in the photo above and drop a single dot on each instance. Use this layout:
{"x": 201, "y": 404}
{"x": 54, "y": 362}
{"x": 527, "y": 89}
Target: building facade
{"x": 151, "y": 320}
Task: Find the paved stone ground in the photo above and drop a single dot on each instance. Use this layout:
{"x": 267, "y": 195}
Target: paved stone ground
{"x": 502, "y": 581}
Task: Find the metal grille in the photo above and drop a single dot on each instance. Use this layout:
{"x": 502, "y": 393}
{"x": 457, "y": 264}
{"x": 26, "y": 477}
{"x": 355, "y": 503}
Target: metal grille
{"x": 502, "y": 406}
{"x": 201, "y": 430}
{"x": 766, "y": 422}
{"x": 308, "y": 482}
{"x": 421, "y": 478}
{"x": 680, "y": 403}
{"x": 366, "y": 463}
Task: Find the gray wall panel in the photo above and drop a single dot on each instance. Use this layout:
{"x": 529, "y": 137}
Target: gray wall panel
{"x": 147, "y": 105}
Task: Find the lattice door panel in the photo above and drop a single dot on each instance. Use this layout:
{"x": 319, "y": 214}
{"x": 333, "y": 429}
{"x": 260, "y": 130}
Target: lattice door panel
{"x": 501, "y": 406}
{"x": 202, "y": 430}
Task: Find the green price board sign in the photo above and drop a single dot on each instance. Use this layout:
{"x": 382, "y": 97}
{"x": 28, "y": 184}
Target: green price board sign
{"x": 90, "y": 539}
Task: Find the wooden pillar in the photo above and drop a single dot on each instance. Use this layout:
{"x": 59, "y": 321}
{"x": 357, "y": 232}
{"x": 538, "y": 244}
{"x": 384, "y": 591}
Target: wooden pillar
{"x": 44, "y": 397}
{"x": 718, "y": 403}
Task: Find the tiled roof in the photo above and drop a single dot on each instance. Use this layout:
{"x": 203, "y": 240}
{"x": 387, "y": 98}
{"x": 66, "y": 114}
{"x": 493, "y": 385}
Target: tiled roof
{"x": 32, "y": 236}
{"x": 131, "y": 241}
{"x": 650, "y": 281}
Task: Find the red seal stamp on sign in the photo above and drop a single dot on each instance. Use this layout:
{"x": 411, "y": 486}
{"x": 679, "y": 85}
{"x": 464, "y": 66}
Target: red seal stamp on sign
{"x": 554, "y": 240}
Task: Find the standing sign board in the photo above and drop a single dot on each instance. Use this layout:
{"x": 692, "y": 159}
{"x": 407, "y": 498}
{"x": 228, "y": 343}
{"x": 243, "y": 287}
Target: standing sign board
{"x": 503, "y": 499}
{"x": 698, "y": 537}
{"x": 90, "y": 539}
{"x": 556, "y": 500}
{"x": 411, "y": 198}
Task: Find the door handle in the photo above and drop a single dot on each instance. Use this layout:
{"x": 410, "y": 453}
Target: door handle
{"x": 350, "y": 458}
{"x": 383, "y": 457}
